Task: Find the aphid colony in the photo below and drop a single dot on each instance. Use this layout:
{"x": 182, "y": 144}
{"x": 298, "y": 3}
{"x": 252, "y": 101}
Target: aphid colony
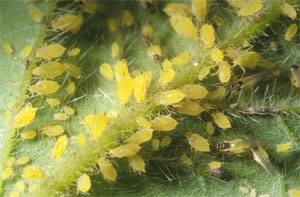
{"x": 188, "y": 99}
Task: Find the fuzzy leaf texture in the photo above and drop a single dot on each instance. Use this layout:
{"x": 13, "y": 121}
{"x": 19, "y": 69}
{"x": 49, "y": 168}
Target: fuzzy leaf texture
{"x": 93, "y": 110}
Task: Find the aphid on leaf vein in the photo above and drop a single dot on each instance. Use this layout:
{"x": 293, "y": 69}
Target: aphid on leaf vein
{"x": 143, "y": 122}
{"x": 166, "y": 76}
{"x": 115, "y": 49}
{"x": 295, "y": 76}
{"x": 106, "y": 71}
{"x": 53, "y": 101}
{"x": 221, "y": 120}
{"x": 68, "y": 110}
{"x": 166, "y": 141}
{"x": 84, "y": 183}
{"x": 164, "y": 123}
{"x": 60, "y": 146}
{"x": 188, "y": 107}
{"x": 125, "y": 150}
{"x": 155, "y": 144}
{"x": 208, "y": 35}
{"x": 139, "y": 88}
{"x": 147, "y": 31}
{"x": 290, "y": 32}
{"x": 68, "y": 22}
{"x": 107, "y": 170}
{"x": 186, "y": 160}
{"x": 224, "y": 72}
{"x": 49, "y": 70}
{"x": 216, "y": 55}
{"x": 199, "y": 9}
{"x": 283, "y": 147}
{"x": 137, "y": 163}
{"x": 170, "y": 97}
{"x": 70, "y": 88}
{"x": 124, "y": 89}
{"x": 96, "y": 123}
{"x": 140, "y": 136}
{"x": 60, "y": 116}
{"x": 203, "y": 73}
{"x": 120, "y": 69}
{"x": 24, "y": 117}
{"x": 237, "y": 145}
{"x": 74, "y": 52}
{"x": 182, "y": 59}
{"x": 250, "y": 7}
{"x": 73, "y": 70}
{"x": 184, "y": 27}
{"x": 32, "y": 173}
{"x": 198, "y": 142}
{"x": 260, "y": 155}
{"x": 50, "y": 51}
{"x": 52, "y": 131}
{"x": 35, "y": 16}
{"x": 26, "y": 52}
{"x": 177, "y": 8}
{"x": 194, "y": 91}
{"x": 289, "y": 11}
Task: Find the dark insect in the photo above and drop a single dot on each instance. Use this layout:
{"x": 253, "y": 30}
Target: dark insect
{"x": 261, "y": 110}
{"x": 223, "y": 146}
{"x": 149, "y": 6}
{"x": 119, "y": 140}
{"x": 221, "y": 174}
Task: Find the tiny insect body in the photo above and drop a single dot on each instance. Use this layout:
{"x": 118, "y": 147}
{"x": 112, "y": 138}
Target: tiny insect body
{"x": 295, "y": 76}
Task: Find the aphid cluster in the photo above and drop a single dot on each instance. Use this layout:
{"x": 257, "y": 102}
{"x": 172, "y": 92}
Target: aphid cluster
{"x": 132, "y": 88}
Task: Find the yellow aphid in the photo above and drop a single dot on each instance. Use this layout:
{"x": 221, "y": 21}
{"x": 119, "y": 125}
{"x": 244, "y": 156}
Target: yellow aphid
{"x": 71, "y": 88}
{"x": 73, "y": 70}
{"x": 164, "y": 123}
{"x": 217, "y": 94}
{"x": 53, "y": 101}
{"x": 114, "y": 49}
{"x": 182, "y": 59}
{"x": 24, "y": 117}
{"x": 80, "y": 139}
{"x": 147, "y": 77}
{"x": 289, "y": 11}
{"x": 184, "y": 27}
{"x": 273, "y": 46}
{"x": 154, "y": 51}
{"x": 214, "y": 165}
{"x": 68, "y": 22}
{"x": 155, "y": 144}
{"x": 7, "y": 48}
{"x": 124, "y": 90}
{"x": 208, "y": 35}
{"x": 199, "y": 9}
{"x": 198, "y": 142}
{"x": 221, "y": 120}
{"x": 188, "y": 107}
{"x": 111, "y": 114}
{"x": 96, "y": 123}
{"x": 10, "y": 161}
{"x": 166, "y": 64}
{"x": 35, "y": 16}
{"x": 26, "y": 52}
{"x": 142, "y": 122}
{"x": 290, "y": 32}
{"x": 127, "y": 18}
{"x": 106, "y": 71}
{"x": 107, "y": 170}
{"x": 53, "y": 130}
{"x": 248, "y": 59}
{"x": 177, "y": 8}
{"x": 126, "y": 150}
{"x": 33, "y": 187}
{"x": 70, "y": 111}
{"x": 283, "y": 147}
{"x": 166, "y": 76}
{"x": 166, "y": 141}
{"x": 170, "y": 97}
{"x": 294, "y": 193}
{"x": 147, "y": 31}
{"x": 60, "y": 116}
{"x": 203, "y": 73}
{"x": 22, "y": 161}
{"x": 121, "y": 69}
{"x": 6, "y": 117}
{"x": 50, "y": 51}
{"x": 7, "y": 173}
{"x": 14, "y": 194}
{"x": 194, "y": 91}
{"x": 210, "y": 128}
{"x": 20, "y": 185}
{"x": 112, "y": 24}
{"x": 90, "y": 6}
{"x": 244, "y": 190}
{"x": 250, "y": 7}
{"x": 74, "y": 52}
{"x": 136, "y": 163}
{"x": 140, "y": 136}
{"x": 216, "y": 55}
{"x": 224, "y": 72}
{"x": 60, "y": 146}
{"x": 32, "y": 173}
{"x": 84, "y": 183}
{"x": 186, "y": 160}
{"x": 295, "y": 76}
{"x": 49, "y": 70}
{"x": 139, "y": 88}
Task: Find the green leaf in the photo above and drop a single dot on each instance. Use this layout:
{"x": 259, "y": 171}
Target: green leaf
{"x": 165, "y": 175}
